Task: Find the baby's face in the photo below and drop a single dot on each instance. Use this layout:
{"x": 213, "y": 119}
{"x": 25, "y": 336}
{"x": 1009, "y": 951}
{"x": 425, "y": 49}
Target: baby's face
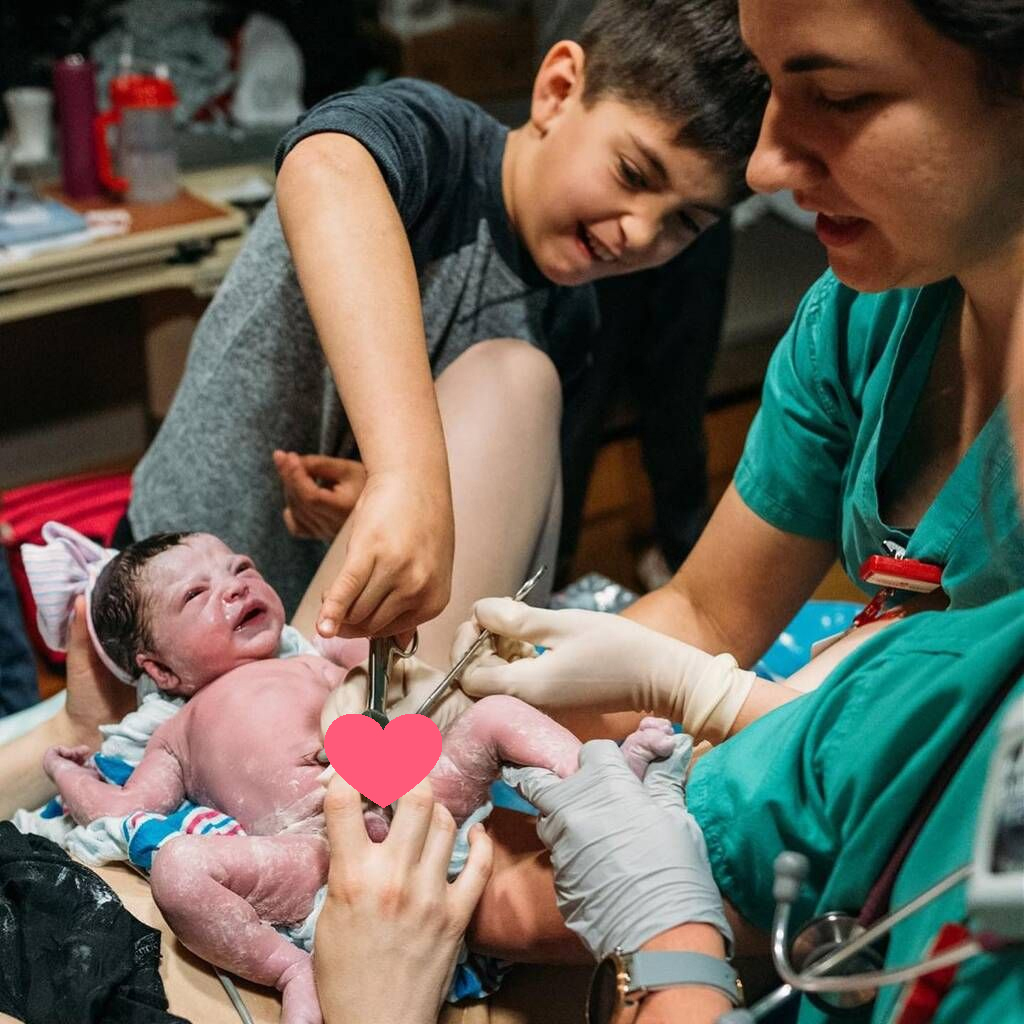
{"x": 210, "y": 611}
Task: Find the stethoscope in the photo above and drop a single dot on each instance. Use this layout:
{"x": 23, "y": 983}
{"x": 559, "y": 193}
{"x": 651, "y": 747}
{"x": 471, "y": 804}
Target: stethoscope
{"x": 841, "y": 940}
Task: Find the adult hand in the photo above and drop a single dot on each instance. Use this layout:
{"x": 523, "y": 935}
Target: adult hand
{"x": 391, "y": 925}
{"x": 410, "y": 683}
{"x": 319, "y": 492}
{"x": 601, "y": 662}
{"x": 397, "y": 571}
{"x": 94, "y": 696}
{"x": 629, "y": 860}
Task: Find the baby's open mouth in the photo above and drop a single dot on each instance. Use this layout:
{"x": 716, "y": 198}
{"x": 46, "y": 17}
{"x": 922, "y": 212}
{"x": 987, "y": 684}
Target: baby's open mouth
{"x": 249, "y": 615}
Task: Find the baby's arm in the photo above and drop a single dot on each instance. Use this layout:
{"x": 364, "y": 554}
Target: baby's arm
{"x": 155, "y": 785}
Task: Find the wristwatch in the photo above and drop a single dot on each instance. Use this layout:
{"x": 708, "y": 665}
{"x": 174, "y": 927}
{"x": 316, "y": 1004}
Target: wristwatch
{"x": 623, "y": 979}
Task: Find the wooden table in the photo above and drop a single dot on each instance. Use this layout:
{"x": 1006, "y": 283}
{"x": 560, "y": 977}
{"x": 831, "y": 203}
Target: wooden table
{"x": 188, "y": 242}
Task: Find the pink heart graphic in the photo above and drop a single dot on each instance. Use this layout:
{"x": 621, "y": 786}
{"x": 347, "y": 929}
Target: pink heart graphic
{"x": 383, "y": 764}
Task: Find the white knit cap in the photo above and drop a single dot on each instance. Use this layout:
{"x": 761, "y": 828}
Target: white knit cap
{"x": 66, "y": 565}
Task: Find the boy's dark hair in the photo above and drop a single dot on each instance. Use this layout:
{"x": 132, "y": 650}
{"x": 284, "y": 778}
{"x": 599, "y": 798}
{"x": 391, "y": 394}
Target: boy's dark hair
{"x": 119, "y": 613}
{"x": 683, "y": 60}
{"x": 993, "y": 29}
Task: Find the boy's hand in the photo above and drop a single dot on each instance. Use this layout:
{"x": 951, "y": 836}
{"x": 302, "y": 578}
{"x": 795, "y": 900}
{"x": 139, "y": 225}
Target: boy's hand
{"x": 319, "y": 492}
{"x": 398, "y": 567}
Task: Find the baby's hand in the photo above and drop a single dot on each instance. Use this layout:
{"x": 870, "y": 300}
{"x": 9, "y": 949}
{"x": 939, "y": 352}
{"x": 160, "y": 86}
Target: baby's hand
{"x": 58, "y": 761}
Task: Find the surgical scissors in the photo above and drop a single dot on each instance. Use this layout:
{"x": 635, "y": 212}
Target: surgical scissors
{"x": 437, "y": 694}
{"x": 383, "y": 651}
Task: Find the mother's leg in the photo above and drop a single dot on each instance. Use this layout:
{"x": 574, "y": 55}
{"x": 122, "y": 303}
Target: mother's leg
{"x": 500, "y": 405}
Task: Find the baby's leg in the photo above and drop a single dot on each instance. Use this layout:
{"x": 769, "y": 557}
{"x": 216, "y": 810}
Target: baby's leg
{"x": 218, "y": 894}
{"x": 495, "y": 731}
{"x": 653, "y": 739}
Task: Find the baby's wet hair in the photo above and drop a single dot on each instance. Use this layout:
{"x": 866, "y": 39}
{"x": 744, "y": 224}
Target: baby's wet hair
{"x": 120, "y": 616}
{"x": 683, "y": 60}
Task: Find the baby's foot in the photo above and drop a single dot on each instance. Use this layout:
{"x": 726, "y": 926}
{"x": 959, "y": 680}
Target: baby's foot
{"x": 299, "y": 1003}
{"x": 654, "y": 739}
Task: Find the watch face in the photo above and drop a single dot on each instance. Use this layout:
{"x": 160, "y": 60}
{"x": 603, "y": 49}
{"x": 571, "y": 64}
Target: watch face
{"x": 603, "y": 1000}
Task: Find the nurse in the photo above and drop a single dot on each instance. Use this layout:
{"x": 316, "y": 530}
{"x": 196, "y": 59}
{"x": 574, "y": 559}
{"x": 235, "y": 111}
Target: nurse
{"x": 901, "y": 124}
{"x": 838, "y": 776}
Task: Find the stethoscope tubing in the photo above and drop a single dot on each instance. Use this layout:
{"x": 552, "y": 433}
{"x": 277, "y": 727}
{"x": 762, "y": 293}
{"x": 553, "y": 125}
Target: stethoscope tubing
{"x": 812, "y": 980}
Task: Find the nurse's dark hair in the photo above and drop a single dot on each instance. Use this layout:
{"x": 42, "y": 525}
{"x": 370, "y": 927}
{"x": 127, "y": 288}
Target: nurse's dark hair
{"x": 120, "y": 610}
{"x": 684, "y": 61}
{"x": 993, "y": 29}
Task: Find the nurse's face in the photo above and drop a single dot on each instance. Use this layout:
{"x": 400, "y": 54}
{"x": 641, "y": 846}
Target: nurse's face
{"x": 880, "y": 125}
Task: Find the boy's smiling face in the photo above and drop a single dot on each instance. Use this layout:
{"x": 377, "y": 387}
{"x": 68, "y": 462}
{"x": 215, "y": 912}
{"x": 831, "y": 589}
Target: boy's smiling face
{"x": 603, "y": 189}
{"x": 209, "y": 611}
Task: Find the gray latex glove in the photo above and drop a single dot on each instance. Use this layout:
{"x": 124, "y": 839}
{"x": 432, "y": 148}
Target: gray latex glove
{"x": 629, "y": 860}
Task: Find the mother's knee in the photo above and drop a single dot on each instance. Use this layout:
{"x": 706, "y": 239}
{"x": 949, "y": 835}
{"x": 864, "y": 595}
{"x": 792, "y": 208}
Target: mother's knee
{"x": 521, "y": 371}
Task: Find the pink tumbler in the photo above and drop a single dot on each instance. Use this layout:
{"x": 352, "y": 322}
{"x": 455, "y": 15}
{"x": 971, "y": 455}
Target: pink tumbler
{"x": 74, "y": 83}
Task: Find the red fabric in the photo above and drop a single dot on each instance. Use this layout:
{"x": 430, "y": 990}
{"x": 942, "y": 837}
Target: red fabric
{"x": 93, "y": 505}
{"x": 921, "y": 1001}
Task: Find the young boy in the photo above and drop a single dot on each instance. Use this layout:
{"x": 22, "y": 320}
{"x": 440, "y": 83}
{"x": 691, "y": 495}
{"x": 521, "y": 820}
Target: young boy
{"x": 408, "y": 227}
{"x": 201, "y": 621}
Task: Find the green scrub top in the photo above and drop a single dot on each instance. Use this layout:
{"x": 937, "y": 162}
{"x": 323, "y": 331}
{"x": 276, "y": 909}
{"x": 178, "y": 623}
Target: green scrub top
{"x": 836, "y": 775}
{"x": 839, "y": 395}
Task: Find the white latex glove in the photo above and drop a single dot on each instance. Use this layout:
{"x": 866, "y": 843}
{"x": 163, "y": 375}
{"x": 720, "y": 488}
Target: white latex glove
{"x": 410, "y": 683}
{"x": 630, "y": 861}
{"x": 601, "y": 662}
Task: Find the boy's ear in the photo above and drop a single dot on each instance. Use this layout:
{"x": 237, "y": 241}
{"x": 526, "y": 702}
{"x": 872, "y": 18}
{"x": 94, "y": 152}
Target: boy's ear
{"x": 559, "y": 80}
{"x": 158, "y": 672}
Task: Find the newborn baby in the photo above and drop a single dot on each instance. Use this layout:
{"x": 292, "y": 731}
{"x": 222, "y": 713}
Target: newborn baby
{"x": 203, "y": 623}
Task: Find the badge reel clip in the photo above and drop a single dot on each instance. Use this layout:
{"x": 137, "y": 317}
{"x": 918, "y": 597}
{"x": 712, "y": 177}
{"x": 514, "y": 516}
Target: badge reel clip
{"x": 892, "y": 572}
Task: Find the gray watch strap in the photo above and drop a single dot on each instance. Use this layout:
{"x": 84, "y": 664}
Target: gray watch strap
{"x": 664, "y": 969}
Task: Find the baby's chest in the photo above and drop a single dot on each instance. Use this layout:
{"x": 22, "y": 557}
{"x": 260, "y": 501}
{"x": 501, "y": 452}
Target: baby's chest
{"x": 262, "y": 728}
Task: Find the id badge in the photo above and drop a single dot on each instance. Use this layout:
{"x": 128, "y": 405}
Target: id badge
{"x": 822, "y": 645}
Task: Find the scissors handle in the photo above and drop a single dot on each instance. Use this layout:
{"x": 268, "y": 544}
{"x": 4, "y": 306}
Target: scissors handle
{"x": 381, "y": 648}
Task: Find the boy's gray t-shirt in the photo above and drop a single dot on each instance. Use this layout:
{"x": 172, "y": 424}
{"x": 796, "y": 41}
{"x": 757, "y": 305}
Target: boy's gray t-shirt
{"x": 256, "y": 378}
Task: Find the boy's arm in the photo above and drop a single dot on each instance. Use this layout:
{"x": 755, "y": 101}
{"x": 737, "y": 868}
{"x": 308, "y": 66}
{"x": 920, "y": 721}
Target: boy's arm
{"x": 357, "y": 274}
{"x": 155, "y": 785}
